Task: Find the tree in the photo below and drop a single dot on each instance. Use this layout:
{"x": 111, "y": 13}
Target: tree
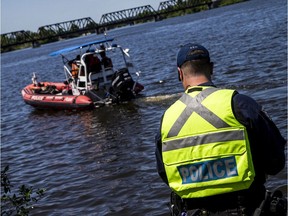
{"x": 18, "y": 204}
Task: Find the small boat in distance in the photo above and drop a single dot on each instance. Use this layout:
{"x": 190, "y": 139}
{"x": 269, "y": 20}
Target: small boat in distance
{"x": 99, "y": 74}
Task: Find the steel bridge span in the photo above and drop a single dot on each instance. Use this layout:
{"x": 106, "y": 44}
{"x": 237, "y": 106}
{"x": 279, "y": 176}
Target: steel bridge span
{"x": 176, "y": 5}
{"x": 67, "y": 28}
{"x": 109, "y": 20}
{"x": 63, "y": 29}
{"x": 130, "y": 16}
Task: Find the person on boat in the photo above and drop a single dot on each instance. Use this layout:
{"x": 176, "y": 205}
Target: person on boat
{"x": 93, "y": 63}
{"x": 75, "y": 67}
{"x": 215, "y": 146}
{"x": 106, "y": 61}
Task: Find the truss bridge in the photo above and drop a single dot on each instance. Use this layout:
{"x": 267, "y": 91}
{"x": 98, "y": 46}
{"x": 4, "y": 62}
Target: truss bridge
{"x": 16, "y": 38}
{"x": 176, "y": 5}
{"x": 83, "y": 25}
{"x": 74, "y": 28}
{"x": 130, "y": 16}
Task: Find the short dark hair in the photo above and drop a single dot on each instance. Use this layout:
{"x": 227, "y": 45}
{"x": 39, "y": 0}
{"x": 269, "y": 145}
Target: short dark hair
{"x": 200, "y": 66}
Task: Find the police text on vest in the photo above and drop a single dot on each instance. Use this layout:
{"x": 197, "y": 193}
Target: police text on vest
{"x": 208, "y": 170}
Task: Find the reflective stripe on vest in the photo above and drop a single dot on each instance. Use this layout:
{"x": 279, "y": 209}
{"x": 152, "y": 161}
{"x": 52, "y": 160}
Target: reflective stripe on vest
{"x": 194, "y": 105}
{"x": 212, "y": 155}
{"x": 222, "y": 136}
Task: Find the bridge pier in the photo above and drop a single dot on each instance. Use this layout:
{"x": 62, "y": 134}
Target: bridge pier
{"x": 157, "y": 18}
{"x": 35, "y": 44}
{"x": 214, "y": 4}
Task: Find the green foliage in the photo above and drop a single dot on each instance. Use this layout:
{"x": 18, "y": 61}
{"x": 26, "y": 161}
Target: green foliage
{"x": 228, "y": 2}
{"x": 18, "y": 204}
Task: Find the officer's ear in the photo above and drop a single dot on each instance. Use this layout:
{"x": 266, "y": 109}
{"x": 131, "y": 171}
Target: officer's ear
{"x": 180, "y": 74}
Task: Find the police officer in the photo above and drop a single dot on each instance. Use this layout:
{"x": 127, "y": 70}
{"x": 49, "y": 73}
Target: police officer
{"x": 215, "y": 146}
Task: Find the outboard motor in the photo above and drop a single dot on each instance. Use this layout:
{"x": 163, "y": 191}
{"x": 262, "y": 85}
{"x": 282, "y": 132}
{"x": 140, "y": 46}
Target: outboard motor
{"x": 122, "y": 85}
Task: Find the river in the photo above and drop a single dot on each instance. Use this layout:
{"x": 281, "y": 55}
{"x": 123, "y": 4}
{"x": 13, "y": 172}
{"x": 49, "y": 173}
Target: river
{"x": 102, "y": 162}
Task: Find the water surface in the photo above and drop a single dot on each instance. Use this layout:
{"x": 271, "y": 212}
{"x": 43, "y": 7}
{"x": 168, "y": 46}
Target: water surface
{"x": 102, "y": 162}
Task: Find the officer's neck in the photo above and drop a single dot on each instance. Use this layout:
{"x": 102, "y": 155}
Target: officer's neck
{"x": 194, "y": 81}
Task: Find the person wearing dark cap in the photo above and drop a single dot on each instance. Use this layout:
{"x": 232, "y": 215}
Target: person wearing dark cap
{"x": 106, "y": 61}
{"x": 215, "y": 146}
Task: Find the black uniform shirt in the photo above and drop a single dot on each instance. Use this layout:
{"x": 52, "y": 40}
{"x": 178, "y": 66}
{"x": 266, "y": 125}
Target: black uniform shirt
{"x": 267, "y": 149}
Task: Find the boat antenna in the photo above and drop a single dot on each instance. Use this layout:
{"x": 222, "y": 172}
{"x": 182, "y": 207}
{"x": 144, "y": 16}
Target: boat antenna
{"x": 107, "y": 43}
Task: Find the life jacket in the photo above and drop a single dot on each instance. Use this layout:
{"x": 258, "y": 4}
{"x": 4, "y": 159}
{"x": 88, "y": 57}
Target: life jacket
{"x": 74, "y": 70}
{"x": 205, "y": 150}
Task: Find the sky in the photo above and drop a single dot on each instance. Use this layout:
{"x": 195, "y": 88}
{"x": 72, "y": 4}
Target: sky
{"x": 29, "y": 15}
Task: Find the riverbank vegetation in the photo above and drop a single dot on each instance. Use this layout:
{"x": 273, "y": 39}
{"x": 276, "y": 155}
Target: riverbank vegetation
{"x": 19, "y": 203}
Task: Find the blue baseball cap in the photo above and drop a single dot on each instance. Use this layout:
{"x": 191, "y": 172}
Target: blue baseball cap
{"x": 190, "y": 52}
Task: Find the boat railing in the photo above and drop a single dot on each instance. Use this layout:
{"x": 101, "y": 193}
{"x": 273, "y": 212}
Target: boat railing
{"x": 102, "y": 78}
{"x": 86, "y": 79}
{"x": 67, "y": 72}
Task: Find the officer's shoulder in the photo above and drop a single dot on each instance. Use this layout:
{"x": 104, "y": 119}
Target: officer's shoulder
{"x": 244, "y": 100}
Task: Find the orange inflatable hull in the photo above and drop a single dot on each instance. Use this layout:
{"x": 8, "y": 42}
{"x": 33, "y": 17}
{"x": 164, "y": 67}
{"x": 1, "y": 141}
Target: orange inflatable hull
{"x": 35, "y": 98}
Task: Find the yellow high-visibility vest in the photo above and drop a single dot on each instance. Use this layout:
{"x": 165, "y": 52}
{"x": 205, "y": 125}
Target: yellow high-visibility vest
{"x": 205, "y": 149}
